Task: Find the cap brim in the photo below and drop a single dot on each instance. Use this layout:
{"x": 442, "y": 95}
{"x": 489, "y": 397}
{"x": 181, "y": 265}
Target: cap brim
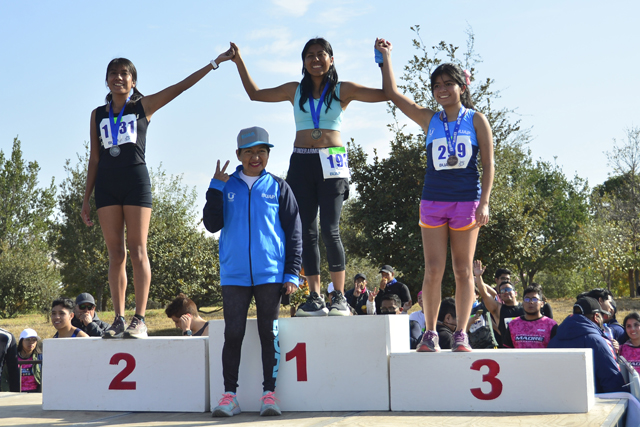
{"x": 253, "y": 144}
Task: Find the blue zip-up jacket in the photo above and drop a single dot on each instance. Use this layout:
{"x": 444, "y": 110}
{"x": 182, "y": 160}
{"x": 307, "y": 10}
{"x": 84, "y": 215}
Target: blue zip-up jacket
{"x": 577, "y": 331}
{"x": 261, "y": 238}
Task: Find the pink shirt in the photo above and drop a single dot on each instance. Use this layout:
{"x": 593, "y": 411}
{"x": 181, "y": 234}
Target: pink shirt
{"x": 530, "y": 333}
{"x": 28, "y": 380}
{"x": 632, "y": 354}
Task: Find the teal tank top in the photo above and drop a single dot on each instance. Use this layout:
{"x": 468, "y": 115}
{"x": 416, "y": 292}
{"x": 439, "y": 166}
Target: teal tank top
{"x": 331, "y": 119}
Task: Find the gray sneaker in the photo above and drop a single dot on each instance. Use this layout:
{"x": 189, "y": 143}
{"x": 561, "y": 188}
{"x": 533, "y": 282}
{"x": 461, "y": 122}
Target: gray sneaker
{"x": 460, "y": 342}
{"x": 339, "y": 305}
{"x": 313, "y": 307}
{"x": 136, "y": 329}
{"x": 116, "y": 330}
{"x": 429, "y": 343}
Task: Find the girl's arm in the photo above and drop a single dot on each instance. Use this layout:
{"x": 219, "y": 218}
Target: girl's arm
{"x": 153, "y": 103}
{"x": 419, "y": 114}
{"x": 285, "y": 92}
{"x": 485, "y": 143}
{"x": 354, "y": 92}
{"x": 92, "y": 171}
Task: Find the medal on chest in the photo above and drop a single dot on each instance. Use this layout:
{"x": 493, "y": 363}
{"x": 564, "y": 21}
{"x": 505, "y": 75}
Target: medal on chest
{"x": 316, "y": 133}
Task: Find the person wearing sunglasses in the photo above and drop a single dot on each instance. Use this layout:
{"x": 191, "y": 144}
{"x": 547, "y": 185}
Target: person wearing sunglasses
{"x": 533, "y": 329}
{"x": 504, "y": 311}
{"x": 86, "y": 318}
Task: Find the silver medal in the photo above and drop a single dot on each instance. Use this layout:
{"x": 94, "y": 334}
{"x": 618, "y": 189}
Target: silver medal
{"x": 316, "y": 134}
{"x": 452, "y": 161}
{"x": 114, "y": 151}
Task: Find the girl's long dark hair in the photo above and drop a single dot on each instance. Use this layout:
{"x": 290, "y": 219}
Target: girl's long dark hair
{"x": 456, "y": 73}
{"x": 306, "y": 85}
{"x": 36, "y": 350}
{"x": 128, "y": 65}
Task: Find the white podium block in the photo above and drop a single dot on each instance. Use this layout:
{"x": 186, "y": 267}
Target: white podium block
{"x": 326, "y": 363}
{"x": 164, "y": 374}
{"x": 493, "y": 380}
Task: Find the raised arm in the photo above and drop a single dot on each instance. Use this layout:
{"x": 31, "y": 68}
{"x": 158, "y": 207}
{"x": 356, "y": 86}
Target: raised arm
{"x": 489, "y": 302}
{"x": 285, "y": 92}
{"x": 485, "y": 144}
{"x": 419, "y": 114}
{"x": 153, "y": 103}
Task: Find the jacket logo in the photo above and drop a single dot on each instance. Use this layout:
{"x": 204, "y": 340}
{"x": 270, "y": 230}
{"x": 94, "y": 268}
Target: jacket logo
{"x": 268, "y": 196}
{"x": 231, "y": 196}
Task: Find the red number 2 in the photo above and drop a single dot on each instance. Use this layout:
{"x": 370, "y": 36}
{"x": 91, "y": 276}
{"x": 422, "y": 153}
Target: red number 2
{"x": 299, "y": 353}
{"x": 117, "y": 383}
{"x": 490, "y": 377}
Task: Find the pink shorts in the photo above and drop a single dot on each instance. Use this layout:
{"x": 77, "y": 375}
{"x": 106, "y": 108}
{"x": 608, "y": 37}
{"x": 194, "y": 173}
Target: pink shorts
{"x": 459, "y": 215}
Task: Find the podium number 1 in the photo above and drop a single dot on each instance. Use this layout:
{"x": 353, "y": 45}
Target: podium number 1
{"x": 489, "y": 377}
{"x": 117, "y": 383}
{"x": 299, "y": 353}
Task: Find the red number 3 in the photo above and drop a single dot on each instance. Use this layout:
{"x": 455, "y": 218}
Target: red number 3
{"x": 489, "y": 377}
{"x": 117, "y": 383}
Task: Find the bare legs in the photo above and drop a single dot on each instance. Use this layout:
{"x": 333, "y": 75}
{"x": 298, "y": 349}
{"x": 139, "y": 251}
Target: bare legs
{"x": 337, "y": 277}
{"x": 113, "y": 220}
{"x": 463, "y": 246}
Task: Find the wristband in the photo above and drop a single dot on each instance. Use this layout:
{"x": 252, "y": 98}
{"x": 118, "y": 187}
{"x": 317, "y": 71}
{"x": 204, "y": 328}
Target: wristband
{"x": 378, "y": 57}
{"x": 214, "y": 65}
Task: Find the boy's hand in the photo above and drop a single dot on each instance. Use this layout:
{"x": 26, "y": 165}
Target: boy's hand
{"x": 220, "y": 174}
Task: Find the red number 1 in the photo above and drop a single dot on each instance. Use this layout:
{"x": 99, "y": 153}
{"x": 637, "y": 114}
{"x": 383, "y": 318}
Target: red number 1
{"x": 299, "y": 353}
{"x": 117, "y": 383}
{"x": 489, "y": 377}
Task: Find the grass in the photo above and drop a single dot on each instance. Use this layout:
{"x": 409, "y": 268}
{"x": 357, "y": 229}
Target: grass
{"x": 160, "y": 325}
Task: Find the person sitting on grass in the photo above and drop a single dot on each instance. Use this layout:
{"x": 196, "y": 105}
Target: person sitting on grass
{"x": 392, "y": 304}
{"x": 61, "y": 315}
{"x": 533, "y": 329}
{"x": 447, "y": 322}
{"x": 85, "y": 316}
{"x": 27, "y": 351}
{"x": 184, "y": 314}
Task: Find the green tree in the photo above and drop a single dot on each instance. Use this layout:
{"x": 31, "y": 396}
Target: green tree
{"x": 28, "y": 277}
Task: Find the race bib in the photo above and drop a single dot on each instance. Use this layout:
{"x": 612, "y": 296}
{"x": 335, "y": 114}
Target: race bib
{"x": 335, "y": 162}
{"x": 127, "y": 131}
{"x": 440, "y": 153}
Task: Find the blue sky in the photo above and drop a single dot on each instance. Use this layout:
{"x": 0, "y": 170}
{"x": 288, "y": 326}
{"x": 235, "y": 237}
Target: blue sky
{"x": 568, "y": 67}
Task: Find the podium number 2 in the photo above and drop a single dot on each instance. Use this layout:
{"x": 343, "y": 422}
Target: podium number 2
{"x": 117, "y": 383}
{"x": 299, "y": 353}
{"x": 489, "y": 377}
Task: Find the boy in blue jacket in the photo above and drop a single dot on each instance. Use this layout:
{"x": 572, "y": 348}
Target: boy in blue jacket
{"x": 260, "y": 255}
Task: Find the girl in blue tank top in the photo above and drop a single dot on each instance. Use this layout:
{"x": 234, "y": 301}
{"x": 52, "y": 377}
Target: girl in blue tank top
{"x": 318, "y": 171}
{"x": 454, "y": 204}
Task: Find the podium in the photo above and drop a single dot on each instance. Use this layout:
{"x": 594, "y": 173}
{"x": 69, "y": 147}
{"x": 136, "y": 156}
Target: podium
{"x": 326, "y": 363}
{"x": 164, "y": 374}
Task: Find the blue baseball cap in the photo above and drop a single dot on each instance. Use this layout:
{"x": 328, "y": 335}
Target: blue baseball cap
{"x": 253, "y": 136}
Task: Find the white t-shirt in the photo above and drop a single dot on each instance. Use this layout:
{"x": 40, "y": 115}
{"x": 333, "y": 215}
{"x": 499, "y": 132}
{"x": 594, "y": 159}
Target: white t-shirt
{"x": 418, "y": 316}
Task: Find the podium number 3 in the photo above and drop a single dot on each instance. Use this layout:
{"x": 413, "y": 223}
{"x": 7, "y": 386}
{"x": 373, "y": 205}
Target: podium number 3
{"x": 117, "y": 383}
{"x": 299, "y": 353}
{"x": 489, "y": 377}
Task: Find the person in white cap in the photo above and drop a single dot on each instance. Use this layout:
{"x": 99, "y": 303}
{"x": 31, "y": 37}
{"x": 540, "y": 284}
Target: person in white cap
{"x": 28, "y": 350}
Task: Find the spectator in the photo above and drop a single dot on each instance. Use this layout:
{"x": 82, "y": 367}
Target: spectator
{"x": 29, "y": 350}
{"x": 390, "y": 285}
{"x": 418, "y": 316}
{"x": 391, "y": 304}
{"x": 85, "y": 316}
{"x": 9, "y": 373}
{"x": 184, "y": 314}
{"x": 261, "y": 262}
{"x": 583, "y": 329}
{"x": 533, "y": 330}
{"x": 504, "y": 311}
{"x": 447, "y": 322}
{"x": 605, "y": 299}
{"x": 61, "y": 315}
{"x": 357, "y": 297}
{"x": 630, "y": 350}
{"x": 616, "y": 328}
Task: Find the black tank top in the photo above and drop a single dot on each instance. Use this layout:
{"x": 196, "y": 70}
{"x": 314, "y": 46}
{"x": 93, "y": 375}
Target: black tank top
{"x": 132, "y": 136}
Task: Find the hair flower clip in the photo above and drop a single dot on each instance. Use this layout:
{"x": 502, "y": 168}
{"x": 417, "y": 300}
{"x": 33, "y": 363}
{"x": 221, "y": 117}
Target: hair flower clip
{"x": 467, "y": 75}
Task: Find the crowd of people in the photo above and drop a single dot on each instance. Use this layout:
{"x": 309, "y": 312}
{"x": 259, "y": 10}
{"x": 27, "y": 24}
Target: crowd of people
{"x": 269, "y": 230}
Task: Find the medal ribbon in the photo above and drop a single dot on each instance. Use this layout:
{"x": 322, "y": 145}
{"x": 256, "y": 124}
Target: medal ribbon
{"x": 116, "y": 125}
{"x": 451, "y": 142}
{"x": 315, "y": 114}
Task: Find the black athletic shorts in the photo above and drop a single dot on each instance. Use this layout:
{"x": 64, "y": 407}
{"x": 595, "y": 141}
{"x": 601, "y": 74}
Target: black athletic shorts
{"x": 123, "y": 186}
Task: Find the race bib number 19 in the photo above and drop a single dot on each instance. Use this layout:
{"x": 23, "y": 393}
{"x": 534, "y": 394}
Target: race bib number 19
{"x": 335, "y": 162}
{"x": 127, "y": 131}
